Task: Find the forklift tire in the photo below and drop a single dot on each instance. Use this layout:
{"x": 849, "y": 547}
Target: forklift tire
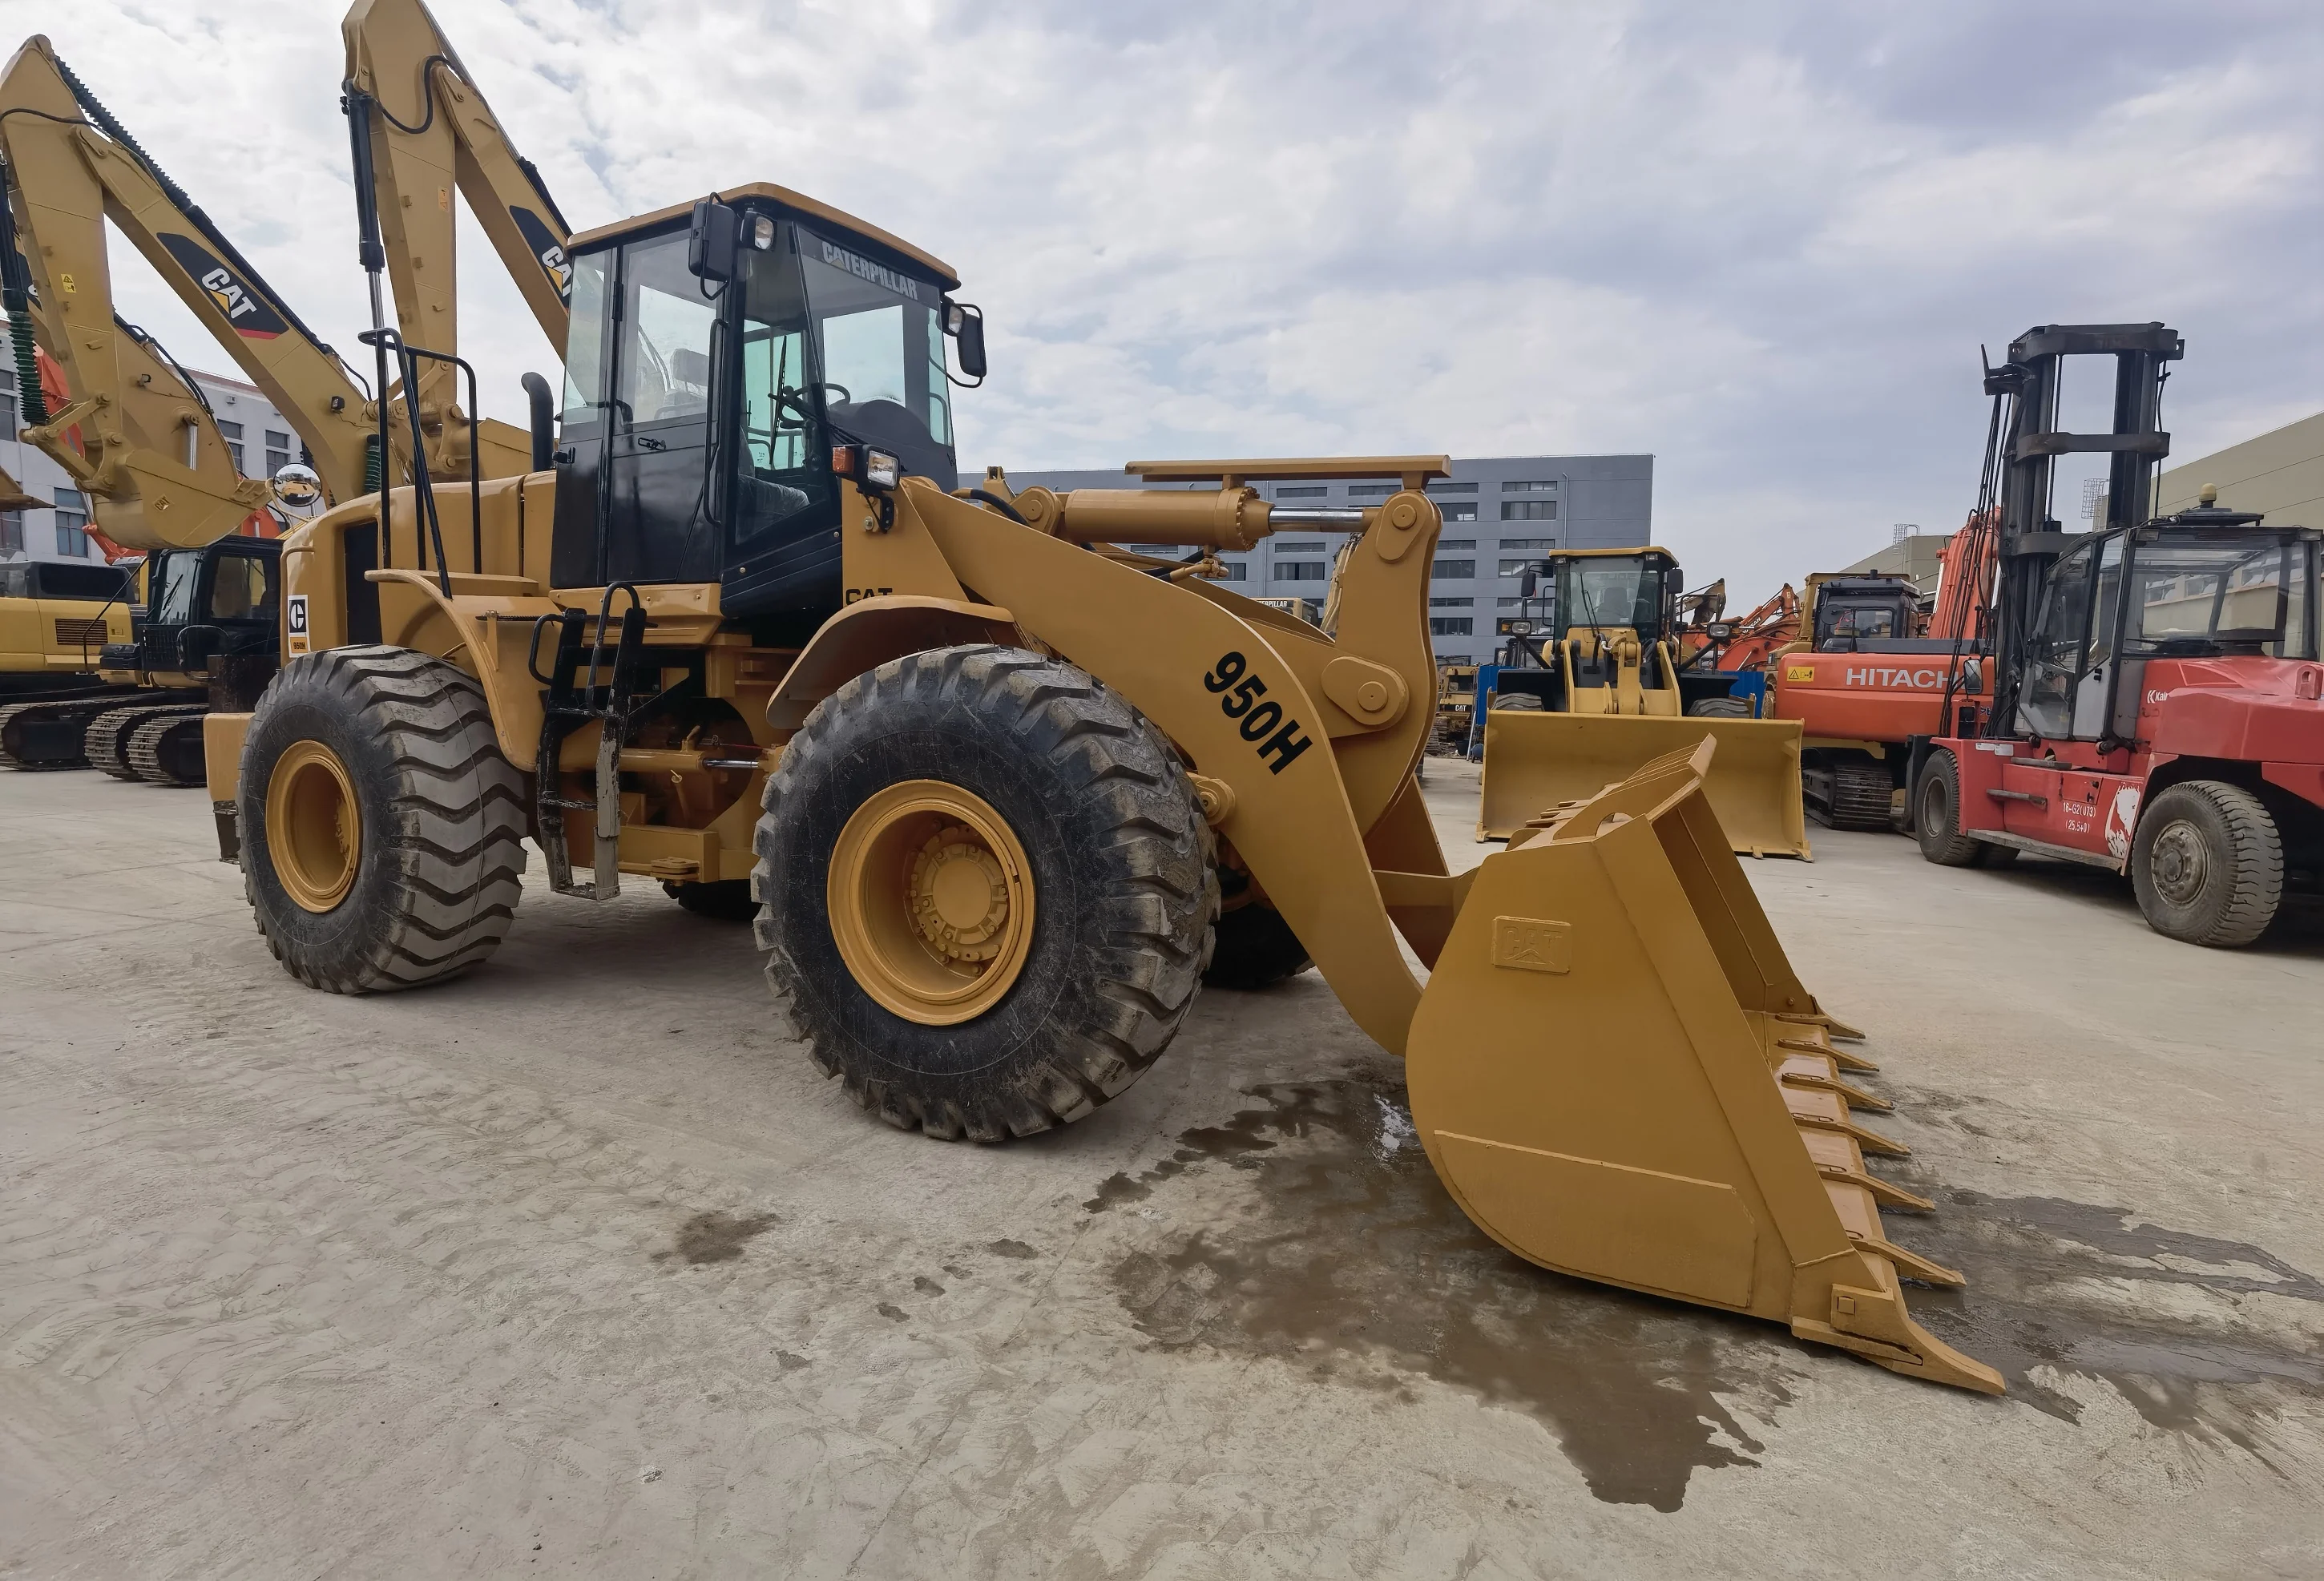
{"x": 723, "y": 900}
{"x": 382, "y": 831}
{"x": 2206, "y": 864}
{"x": 1256, "y": 949}
{"x": 987, "y": 892}
{"x": 1936, "y": 817}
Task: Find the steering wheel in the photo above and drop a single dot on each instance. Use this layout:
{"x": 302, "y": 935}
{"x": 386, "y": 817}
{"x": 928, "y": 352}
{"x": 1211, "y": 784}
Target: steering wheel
{"x": 844, "y": 393}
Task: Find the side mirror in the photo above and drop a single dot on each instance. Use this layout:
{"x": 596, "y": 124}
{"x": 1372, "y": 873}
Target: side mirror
{"x": 1973, "y": 673}
{"x": 1529, "y": 582}
{"x": 713, "y": 246}
{"x": 965, "y": 324}
{"x": 297, "y": 486}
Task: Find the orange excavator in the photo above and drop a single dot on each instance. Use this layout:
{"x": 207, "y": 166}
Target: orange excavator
{"x": 1709, "y": 642}
{"x": 1867, "y": 678}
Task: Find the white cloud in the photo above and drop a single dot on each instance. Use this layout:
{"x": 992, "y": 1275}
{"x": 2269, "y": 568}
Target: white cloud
{"x": 1762, "y": 240}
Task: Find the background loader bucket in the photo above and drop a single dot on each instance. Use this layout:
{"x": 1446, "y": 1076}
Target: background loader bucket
{"x": 1534, "y": 761}
{"x": 1618, "y": 1075}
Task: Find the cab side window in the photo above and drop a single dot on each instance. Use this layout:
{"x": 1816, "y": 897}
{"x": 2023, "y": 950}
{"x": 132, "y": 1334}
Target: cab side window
{"x": 2047, "y": 707}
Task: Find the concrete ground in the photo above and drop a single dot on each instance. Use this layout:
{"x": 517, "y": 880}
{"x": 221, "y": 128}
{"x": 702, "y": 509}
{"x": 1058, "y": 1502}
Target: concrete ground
{"x": 571, "y": 1265}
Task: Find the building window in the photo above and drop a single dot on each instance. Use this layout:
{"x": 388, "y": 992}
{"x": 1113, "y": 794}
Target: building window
{"x": 1299, "y": 548}
{"x": 10, "y": 415}
{"x": 1452, "y": 626}
{"x": 1454, "y": 570}
{"x": 1528, "y": 510}
{"x": 1506, "y": 603}
{"x": 1518, "y": 567}
{"x": 1299, "y": 571}
{"x": 1451, "y": 488}
{"x": 1458, "y": 510}
{"x": 1456, "y": 543}
{"x": 1452, "y": 603}
{"x": 1512, "y": 546}
{"x": 72, "y": 514}
{"x": 1370, "y": 491}
{"x": 233, "y": 433}
{"x": 278, "y": 452}
{"x": 12, "y": 532}
{"x": 1301, "y": 492}
{"x": 1236, "y": 570}
{"x": 1530, "y": 486}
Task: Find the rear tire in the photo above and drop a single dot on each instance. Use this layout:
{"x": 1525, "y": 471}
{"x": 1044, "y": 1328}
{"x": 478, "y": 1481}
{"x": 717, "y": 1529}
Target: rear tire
{"x": 1936, "y": 816}
{"x": 1256, "y": 949}
{"x": 1719, "y": 708}
{"x": 2206, "y": 864}
{"x": 1098, "y": 823}
{"x": 395, "y": 751}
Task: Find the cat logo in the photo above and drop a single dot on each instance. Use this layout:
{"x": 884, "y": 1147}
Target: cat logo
{"x": 548, "y": 249}
{"x": 250, "y": 314}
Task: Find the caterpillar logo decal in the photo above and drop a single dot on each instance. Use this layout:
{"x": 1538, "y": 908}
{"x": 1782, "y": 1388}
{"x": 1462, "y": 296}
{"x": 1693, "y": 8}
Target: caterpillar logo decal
{"x": 548, "y": 249}
{"x": 252, "y": 316}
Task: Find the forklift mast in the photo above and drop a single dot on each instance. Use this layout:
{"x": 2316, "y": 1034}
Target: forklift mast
{"x": 2021, "y": 463}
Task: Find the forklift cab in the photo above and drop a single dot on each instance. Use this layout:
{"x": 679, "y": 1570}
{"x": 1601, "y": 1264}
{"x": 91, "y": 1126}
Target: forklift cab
{"x": 717, "y": 358}
{"x": 2204, "y": 583}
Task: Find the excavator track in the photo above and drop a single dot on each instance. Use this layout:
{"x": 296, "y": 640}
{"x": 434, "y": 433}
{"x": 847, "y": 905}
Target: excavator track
{"x": 49, "y": 732}
{"x": 1852, "y": 794}
{"x": 165, "y": 747}
{"x": 106, "y": 740}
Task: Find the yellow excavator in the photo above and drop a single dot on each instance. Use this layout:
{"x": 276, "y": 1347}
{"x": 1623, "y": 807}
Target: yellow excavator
{"x": 997, "y": 784}
{"x": 70, "y": 169}
{"x": 1591, "y": 687}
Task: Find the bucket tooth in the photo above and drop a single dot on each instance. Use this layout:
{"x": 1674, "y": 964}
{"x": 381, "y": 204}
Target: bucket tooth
{"x": 1699, "y": 1165}
{"x": 1828, "y": 1111}
{"x": 1846, "y": 1060}
{"x": 1798, "y": 1071}
{"x": 1915, "y": 1266}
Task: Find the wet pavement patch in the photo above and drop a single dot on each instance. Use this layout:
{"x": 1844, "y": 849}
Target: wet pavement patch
{"x": 2177, "y": 1322}
{"x": 1351, "y": 1262}
{"x": 715, "y": 1237}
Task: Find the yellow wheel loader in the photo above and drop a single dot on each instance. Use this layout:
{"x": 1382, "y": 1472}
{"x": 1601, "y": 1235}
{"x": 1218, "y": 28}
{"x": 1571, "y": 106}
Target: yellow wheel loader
{"x": 1590, "y": 690}
{"x": 998, "y": 788}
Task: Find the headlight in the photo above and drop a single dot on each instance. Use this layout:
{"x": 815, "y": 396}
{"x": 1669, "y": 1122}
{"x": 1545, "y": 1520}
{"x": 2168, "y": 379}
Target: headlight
{"x": 762, "y": 232}
{"x": 879, "y": 469}
{"x": 1520, "y": 628}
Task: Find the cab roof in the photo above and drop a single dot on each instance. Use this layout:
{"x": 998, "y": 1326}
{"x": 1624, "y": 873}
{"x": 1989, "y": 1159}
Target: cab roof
{"x": 767, "y": 194}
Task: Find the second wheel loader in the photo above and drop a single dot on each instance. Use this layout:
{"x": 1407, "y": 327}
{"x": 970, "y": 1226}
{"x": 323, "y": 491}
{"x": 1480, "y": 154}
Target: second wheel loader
{"x": 989, "y": 778}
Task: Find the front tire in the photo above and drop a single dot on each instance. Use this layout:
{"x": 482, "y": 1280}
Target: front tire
{"x": 1936, "y": 816}
{"x": 2206, "y": 864}
{"x": 382, "y": 831}
{"x": 987, "y": 891}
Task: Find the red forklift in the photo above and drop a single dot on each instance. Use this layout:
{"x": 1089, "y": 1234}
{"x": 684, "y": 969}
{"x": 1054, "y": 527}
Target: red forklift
{"x": 2157, "y": 701}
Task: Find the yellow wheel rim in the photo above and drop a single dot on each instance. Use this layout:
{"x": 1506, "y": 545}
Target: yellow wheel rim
{"x": 931, "y": 902}
{"x": 314, "y": 832}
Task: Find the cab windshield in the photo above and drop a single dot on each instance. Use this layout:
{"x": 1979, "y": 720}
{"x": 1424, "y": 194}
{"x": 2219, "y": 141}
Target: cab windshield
{"x": 2197, "y": 594}
{"x": 1611, "y": 590}
{"x": 173, "y": 597}
{"x": 880, "y": 353}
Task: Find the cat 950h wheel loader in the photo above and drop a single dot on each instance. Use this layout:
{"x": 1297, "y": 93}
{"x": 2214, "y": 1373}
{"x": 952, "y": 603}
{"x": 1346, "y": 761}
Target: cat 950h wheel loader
{"x": 990, "y": 779}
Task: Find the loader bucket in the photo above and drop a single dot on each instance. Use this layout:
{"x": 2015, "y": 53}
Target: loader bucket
{"x": 1618, "y": 1076}
{"x": 1536, "y": 762}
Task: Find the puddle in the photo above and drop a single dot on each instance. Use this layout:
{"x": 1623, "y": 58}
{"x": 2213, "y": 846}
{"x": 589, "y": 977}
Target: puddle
{"x": 716, "y": 1238}
{"x": 1356, "y": 1265}
{"x": 2072, "y": 1286}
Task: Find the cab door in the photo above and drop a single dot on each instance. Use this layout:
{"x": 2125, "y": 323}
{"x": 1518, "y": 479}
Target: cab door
{"x": 2045, "y": 705}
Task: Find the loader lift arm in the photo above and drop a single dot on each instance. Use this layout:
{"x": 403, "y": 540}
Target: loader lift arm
{"x": 53, "y": 172}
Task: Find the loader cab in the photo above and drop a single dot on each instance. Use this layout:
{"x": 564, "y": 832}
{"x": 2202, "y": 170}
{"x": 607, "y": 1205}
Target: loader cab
{"x": 2205, "y": 584}
{"x": 707, "y": 380}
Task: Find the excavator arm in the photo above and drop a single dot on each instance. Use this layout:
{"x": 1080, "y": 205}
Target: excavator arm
{"x": 136, "y": 436}
{"x": 421, "y": 128}
{"x": 62, "y": 166}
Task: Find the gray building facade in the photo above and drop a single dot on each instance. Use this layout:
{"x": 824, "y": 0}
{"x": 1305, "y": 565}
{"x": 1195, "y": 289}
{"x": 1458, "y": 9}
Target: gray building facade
{"x": 1500, "y": 512}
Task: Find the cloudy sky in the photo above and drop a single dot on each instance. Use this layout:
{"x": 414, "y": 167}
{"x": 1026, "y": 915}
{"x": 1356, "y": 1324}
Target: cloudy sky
{"x": 1761, "y": 240}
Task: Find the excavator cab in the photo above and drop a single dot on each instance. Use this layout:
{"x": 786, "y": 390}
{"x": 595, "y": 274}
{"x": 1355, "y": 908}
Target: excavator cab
{"x": 1850, "y": 610}
{"x": 718, "y": 361}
